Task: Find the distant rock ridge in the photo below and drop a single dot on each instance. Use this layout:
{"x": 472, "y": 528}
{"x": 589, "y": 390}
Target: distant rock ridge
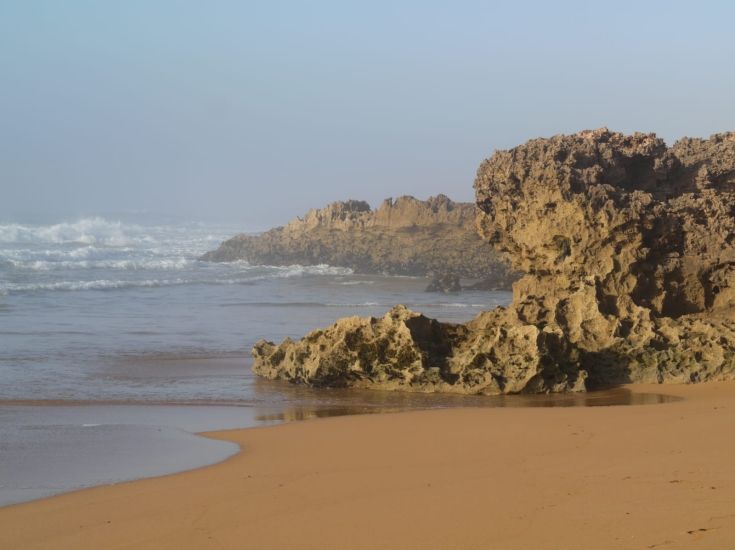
{"x": 405, "y": 236}
{"x": 628, "y": 250}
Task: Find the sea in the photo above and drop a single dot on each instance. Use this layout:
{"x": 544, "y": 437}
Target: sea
{"x": 118, "y": 345}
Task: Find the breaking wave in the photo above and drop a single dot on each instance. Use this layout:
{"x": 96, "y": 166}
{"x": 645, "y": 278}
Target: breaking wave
{"x": 85, "y": 231}
{"x": 257, "y": 273}
{"x": 105, "y": 284}
{"x": 98, "y": 254}
{"x": 132, "y": 264}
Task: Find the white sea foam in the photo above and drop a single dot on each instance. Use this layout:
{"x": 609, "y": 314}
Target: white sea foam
{"x": 100, "y": 284}
{"x": 291, "y": 270}
{"x": 131, "y": 264}
{"x": 98, "y": 232}
{"x": 97, "y": 254}
{"x": 86, "y": 231}
{"x": 115, "y": 284}
{"x": 297, "y": 270}
{"x": 363, "y": 304}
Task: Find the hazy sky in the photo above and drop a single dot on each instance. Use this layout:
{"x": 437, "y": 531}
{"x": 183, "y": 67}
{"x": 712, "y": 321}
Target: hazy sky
{"x": 257, "y": 111}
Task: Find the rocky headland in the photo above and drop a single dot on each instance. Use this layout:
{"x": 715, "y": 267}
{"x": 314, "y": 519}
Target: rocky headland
{"x": 405, "y": 236}
{"x": 628, "y": 254}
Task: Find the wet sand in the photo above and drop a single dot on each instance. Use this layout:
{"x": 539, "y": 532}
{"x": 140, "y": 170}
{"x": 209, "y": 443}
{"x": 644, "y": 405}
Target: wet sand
{"x": 49, "y": 447}
{"x": 639, "y": 476}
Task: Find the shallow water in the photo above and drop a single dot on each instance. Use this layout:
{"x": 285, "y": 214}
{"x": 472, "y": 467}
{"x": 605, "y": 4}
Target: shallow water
{"x": 47, "y": 450}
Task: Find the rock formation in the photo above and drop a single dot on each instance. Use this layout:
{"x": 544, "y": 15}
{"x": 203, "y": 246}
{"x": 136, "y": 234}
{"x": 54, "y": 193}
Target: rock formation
{"x": 444, "y": 282}
{"x": 405, "y": 236}
{"x": 628, "y": 250}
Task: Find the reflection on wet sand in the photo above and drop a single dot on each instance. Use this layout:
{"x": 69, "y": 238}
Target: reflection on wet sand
{"x": 49, "y": 447}
{"x": 303, "y": 403}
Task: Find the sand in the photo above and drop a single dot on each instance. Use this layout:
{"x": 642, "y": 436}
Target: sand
{"x": 642, "y": 476}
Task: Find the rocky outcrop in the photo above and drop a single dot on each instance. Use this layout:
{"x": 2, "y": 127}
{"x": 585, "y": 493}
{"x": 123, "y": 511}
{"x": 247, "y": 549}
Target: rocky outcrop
{"x": 405, "y": 350}
{"x": 405, "y": 236}
{"x": 628, "y": 250}
{"x": 444, "y": 282}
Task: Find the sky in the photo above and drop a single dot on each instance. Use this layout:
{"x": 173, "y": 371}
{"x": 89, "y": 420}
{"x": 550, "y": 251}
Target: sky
{"x": 254, "y": 112}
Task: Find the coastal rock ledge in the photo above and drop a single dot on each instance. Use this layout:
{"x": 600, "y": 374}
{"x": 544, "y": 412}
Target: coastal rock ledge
{"x": 404, "y": 236}
{"x": 628, "y": 251}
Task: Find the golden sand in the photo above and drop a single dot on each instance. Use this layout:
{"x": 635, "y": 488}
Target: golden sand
{"x": 648, "y": 476}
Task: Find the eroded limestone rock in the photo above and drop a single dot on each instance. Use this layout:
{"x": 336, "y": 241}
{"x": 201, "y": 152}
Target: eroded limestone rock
{"x": 405, "y": 236}
{"x": 405, "y": 350}
{"x": 628, "y": 252}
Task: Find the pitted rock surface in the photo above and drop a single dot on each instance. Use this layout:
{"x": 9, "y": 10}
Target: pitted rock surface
{"x": 627, "y": 247}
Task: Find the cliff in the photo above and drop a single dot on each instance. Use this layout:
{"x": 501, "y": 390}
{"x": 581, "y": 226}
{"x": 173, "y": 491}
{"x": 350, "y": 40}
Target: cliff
{"x": 404, "y": 236}
{"x": 628, "y": 251}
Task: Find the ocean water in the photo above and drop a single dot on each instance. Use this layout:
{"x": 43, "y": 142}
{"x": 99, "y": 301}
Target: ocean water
{"x": 97, "y": 309}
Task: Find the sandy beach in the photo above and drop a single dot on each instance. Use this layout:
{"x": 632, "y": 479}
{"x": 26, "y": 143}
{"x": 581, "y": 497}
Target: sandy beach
{"x": 641, "y": 476}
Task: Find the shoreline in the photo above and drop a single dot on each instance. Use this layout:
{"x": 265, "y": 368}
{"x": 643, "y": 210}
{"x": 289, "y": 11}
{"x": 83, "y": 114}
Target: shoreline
{"x": 566, "y": 477}
{"x": 52, "y": 447}
{"x": 329, "y": 397}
